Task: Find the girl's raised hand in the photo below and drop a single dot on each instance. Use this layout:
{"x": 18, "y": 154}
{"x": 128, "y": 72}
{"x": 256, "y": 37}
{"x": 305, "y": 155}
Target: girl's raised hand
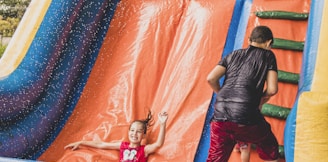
{"x": 162, "y": 117}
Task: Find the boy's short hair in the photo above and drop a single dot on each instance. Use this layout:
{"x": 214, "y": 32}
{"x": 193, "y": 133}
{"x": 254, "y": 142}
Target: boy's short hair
{"x": 261, "y": 34}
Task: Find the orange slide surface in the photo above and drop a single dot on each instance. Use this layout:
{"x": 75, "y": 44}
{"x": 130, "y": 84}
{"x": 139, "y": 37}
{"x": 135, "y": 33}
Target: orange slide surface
{"x": 156, "y": 56}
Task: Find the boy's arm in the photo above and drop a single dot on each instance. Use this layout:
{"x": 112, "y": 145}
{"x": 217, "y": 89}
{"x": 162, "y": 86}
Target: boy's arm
{"x": 272, "y": 83}
{"x": 214, "y": 76}
{"x": 271, "y": 88}
{"x": 150, "y": 148}
{"x": 95, "y": 144}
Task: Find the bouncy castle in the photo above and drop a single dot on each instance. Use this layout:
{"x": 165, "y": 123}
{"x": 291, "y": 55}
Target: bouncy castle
{"x": 84, "y": 69}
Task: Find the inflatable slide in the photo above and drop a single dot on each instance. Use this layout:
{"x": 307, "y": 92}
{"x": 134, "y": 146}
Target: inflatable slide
{"x": 83, "y": 70}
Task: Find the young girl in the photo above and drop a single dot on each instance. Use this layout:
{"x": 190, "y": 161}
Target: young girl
{"x": 132, "y": 151}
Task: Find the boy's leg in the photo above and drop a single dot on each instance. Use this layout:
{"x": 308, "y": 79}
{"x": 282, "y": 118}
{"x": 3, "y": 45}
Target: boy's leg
{"x": 272, "y": 160}
{"x": 245, "y": 151}
{"x": 267, "y": 145}
{"x": 236, "y": 148}
{"x": 266, "y": 142}
{"x": 268, "y": 148}
{"x": 221, "y": 144}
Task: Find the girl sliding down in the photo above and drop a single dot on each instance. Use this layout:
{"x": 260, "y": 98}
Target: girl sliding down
{"x": 132, "y": 151}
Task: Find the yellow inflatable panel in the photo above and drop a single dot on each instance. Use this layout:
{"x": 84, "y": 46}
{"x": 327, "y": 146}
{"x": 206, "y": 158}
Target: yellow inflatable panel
{"x": 23, "y": 36}
{"x": 312, "y": 128}
{"x": 311, "y": 137}
{"x": 320, "y": 77}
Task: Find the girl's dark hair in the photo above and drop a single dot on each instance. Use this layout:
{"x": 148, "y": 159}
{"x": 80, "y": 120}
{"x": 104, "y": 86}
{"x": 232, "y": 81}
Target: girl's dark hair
{"x": 261, "y": 34}
{"x": 146, "y": 123}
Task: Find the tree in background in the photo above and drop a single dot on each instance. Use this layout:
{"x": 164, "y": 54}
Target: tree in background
{"x": 11, "y": 12}
{"x": 13, "y": 8}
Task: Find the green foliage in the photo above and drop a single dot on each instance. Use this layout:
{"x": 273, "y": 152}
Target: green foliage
{"x": 13, "y": 8}
{"x": 2, "y": 49}
{"x": 11, "y": 12}
{"x": 7, "y": 27}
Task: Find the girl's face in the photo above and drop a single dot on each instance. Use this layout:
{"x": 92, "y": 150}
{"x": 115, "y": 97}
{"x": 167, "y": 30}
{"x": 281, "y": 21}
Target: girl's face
{"x": 136, "y": 133}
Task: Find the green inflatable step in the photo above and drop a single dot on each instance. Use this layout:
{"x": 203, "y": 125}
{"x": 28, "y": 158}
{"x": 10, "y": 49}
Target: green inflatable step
{"x": 282, "y": 15}
{"x": 287, "y": 44}
{"x": 281, "y": 151}
{"x": 288, "y": 77}
{"x": 278, "y": 112}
